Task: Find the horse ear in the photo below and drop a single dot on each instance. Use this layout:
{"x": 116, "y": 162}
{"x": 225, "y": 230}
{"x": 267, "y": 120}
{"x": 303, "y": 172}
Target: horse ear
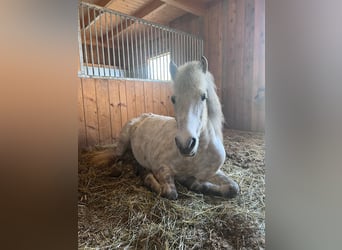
{"x": 173, "y": 70}
{"x": 204, "y": 64}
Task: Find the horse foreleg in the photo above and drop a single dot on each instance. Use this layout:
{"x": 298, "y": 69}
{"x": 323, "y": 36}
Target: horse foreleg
{"x": 218, "y": 185}
{"x": 166, "y": 179}
{"x": 159, "y": 182}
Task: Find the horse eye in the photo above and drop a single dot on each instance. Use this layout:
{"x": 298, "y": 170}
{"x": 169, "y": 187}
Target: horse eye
{"x": 173, "y": 99}
{"x": 203, "y": 97}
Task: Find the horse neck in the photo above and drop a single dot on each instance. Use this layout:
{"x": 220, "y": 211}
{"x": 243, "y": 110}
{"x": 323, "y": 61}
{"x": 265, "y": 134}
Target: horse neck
{"x": 212, "y": 131}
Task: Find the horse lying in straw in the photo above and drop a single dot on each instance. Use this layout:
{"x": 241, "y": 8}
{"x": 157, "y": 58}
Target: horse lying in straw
{"x": 188, "y": 149}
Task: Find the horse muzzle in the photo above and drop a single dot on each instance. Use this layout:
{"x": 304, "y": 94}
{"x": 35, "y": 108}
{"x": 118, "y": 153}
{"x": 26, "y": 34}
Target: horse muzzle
{"x": 188, "y": 149}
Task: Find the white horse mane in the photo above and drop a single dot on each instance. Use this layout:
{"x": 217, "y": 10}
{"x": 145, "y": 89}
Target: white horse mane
{"x": 191, "y": 78}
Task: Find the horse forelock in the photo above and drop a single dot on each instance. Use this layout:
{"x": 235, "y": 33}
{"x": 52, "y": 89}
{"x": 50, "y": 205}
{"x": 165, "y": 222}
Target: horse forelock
{"x": 191, "y": 79}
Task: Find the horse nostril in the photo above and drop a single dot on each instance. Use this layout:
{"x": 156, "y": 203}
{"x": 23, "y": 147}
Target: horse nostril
{"x": 188, "y": 147}
{"x": 192, "y": 143}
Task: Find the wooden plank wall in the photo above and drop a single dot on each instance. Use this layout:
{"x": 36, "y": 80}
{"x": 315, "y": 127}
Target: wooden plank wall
{"x": 105, "y": 105}
{"x": 234, "y": 43}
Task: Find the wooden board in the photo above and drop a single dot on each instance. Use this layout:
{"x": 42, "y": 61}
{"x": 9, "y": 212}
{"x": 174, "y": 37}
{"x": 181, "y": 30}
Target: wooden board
{"x": 156, "y": 98}
{"x": 90, "y": 111}
{"x": 115, "y": 107}
{"x": 139, "y": 95}
{"x": 148, "y": 93}
{"x": 123, "y": 102}
{"x": 163, "y": 99}
{"x": 104, "y": 117}
{"x": 82, "y": 138}
{"x": 229, "y": 63}
{"x": 131, "y": 100}
{"x": 105, "y": 105}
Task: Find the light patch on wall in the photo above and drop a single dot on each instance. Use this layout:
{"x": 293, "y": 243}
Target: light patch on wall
{"x": 158, "y": 67}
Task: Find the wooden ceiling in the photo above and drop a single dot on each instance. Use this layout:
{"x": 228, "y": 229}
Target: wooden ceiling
{"x": 158, "y": 11}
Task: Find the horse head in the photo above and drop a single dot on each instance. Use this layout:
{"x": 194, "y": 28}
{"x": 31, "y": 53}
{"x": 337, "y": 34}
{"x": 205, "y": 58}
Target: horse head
{"x": 190, "y": 88}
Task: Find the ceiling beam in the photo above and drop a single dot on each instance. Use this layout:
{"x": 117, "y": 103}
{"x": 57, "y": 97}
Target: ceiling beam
{"x": 149, "y": 8}
{"x": 92, "y": 17}
{"x": 104, "y": 3}
{"x": 193, "y": 6}
{"x": 154, "y": 6}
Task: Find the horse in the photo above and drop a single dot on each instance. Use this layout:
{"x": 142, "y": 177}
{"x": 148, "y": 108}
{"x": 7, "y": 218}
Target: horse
{"x": 187, "y": 148}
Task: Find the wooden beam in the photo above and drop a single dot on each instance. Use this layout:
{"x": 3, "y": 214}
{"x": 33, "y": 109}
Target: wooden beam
{"x": 193, "y": 6}
{"x": 102, "y": 3}
{"x": 149, "y": 8}
{"x": 154, "y": 6}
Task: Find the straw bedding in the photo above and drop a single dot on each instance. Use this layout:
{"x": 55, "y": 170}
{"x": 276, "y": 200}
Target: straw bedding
{"x": 116, "y": 211}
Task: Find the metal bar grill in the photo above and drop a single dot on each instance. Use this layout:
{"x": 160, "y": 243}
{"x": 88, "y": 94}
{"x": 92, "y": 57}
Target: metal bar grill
{"x": 115, "y": 45}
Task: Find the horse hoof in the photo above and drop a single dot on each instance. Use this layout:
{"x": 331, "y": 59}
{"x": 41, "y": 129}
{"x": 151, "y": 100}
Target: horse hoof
{"x": 115, "y": 173}
{"x": 233, "y": 190}
{"x": 173, "y": 195}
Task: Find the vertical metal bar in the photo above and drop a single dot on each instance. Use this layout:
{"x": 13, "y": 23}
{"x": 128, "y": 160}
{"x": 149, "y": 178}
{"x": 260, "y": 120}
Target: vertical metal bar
{"x": 113, "y": 50}
{"x": 136, "y": 30}
{"x": 148, "y": 54}
{"x": 144, "y": 53}
{"x": 169, "y": 50}
{"x": 97, "y": 45}
{"x": 118, "y": 43}
{"x": 127, "y": 50}
{"x": 140, "y": 49}
{"x": 166, "y": 52}
{"x": 195, "y": 44}
{"x": 80, "y": 41}
{"x": 136, "y": 36}
{"x": 179, "y": 49}
{"x": 175, "y": 47}
{"x": 173, "y": 57}
{"x": 159, "y": 53}
{"x": 85, "y": 44}
{"x": 102, "y": 46}
{"x": 155, "y": 52}
{"x": 184, "y": 48}
{"x": 152, "y": 52}
{"x": 132, "y": 48}
{"x": 163, "y": 53}
{"x": 201, "y": 47}
{"x": 189, "y": 48}
{"x": 195, "y": 51}
{"x": 192, "y": 48}
{"x": 91, "y": 45}
{"x": 108, "y": 48}
{"x": 123, "y": 47}
{"x": 195, "y": 48}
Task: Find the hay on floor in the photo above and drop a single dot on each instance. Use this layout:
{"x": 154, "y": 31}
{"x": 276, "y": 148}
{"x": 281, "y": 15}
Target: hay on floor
{"x": 121, "y": 213}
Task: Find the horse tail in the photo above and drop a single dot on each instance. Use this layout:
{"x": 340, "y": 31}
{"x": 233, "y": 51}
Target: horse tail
{"x": 103, "y": 157}
{"x": 108, "y": 154}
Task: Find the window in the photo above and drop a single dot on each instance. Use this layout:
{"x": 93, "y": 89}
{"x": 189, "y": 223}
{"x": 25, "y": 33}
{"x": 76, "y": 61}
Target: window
{"x": 158, "y": 67}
